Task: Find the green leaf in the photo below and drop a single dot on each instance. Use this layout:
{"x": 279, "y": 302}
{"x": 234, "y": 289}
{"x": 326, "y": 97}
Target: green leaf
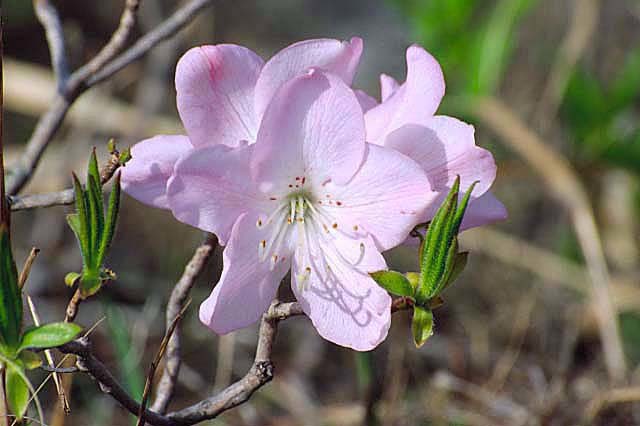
{"x": 95, "y": 186}
{"x": 112, "y": 219}
{"x": 17, "y": 391}
{"x": 449, "y": 262}
{"x": 71, "y": 278}
{"x": 93, "y": 171}
{"x": 421, "y": 325}
{"x": 49, "y": 335}
{"x": 80, "y": 221}
{"x": 30, "y": 360}
{"x": 10, "y": 294}
{"x": 459, "y": 264}
{"x": 434, "y": 244}
{"x": 438, "y": 255}
{"x": 394, "y": 282}
{"x": 96, "y": 218}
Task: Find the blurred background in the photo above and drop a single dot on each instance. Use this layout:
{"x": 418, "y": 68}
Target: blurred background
{"x": 517, "y": 341}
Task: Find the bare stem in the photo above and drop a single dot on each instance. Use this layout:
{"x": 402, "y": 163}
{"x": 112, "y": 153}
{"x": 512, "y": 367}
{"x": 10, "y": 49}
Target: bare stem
{"x": 177, "y": 300}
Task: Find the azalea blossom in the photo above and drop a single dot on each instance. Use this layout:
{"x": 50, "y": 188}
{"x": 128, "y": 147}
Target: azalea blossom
{"x": 275, "y": 163}
{"x": 311, "y": 196}
{"x": 444, "y": 146}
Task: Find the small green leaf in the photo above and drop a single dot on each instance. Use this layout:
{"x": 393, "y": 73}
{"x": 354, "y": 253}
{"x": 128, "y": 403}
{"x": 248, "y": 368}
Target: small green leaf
{"x": 96, "y": 218}
{"x": 93, "y": 170}
{"x": 112, "y": 219}
{"x": 49, "y": 335}
{"x": 458, "y": 266}
{"x": 79, "y": 221}
{"x": 125, "y": 156}
{"x": 422, "y": 325}
{"x": 71, "y": 278}
{"x": 10, "y": 294}
{"x": 394, "y": 282}
{"x": 435, "y": 246}
{"x": 439, "y": 252}
{"x": 17, "y": 391}
{"x": 30, "y": 360}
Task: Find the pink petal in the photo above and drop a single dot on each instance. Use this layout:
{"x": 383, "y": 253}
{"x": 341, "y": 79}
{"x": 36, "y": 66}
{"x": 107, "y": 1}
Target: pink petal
{"x": 247, "y": 285}
{"x": 366, "y": 102}
{"x": 386, "y": 198}
{"x": 445, "y": 147}
{"x": 145, "y": 176}
{"x": 338, "y": 57}
{"x": 211, "y": 188}
{"x": 313, "y": 129}
{"x": 388, "y": 86}
{"x": 345, "y": 305}
{"x": 483, "y": 210}
{"x": 215, "y": 86}
{"x": 413, "y": 102}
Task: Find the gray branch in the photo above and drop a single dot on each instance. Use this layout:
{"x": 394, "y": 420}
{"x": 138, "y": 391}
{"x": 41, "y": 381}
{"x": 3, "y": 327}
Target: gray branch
{"x": 97, "y": 70}
{"x": 48, "y": 16}
{"x": 239, "y": 392}
{"x": 179, "y": 295}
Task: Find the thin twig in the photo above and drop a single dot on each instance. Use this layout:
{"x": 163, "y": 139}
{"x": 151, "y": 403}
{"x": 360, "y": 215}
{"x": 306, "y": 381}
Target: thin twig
{"x": 89, "y": 363}
{"x": 26, "y": 268}
{"x": 60, "y": 370}
{"x": 260, "y": 373}
{"x": 165, "y": 388}
{"x": 89, "y": 75}
{"x": 563, "y": 182}
{"x": 111, "y": 49}
{"x": 72, "y": 307}
{"x": 48, "y": 16}
{"x": 176, "y": 22}
{"x": 610, "y": 397}
{"x": 64, "y": 402}
{"x": 156, "y": 361}
{"x": 66, "y": 196}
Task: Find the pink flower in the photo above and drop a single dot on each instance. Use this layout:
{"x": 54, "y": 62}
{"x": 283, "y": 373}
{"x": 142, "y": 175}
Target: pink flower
{"x": 311, "y": 196}
{"x": 222, "y": 93}
{"x": 444, "y": 146}
{"x": 276, "y": 165}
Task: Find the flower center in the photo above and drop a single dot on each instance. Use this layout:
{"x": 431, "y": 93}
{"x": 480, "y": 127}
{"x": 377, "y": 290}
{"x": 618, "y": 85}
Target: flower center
{"x": 313, "y": 231}
{"x": 288, "y": 215}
